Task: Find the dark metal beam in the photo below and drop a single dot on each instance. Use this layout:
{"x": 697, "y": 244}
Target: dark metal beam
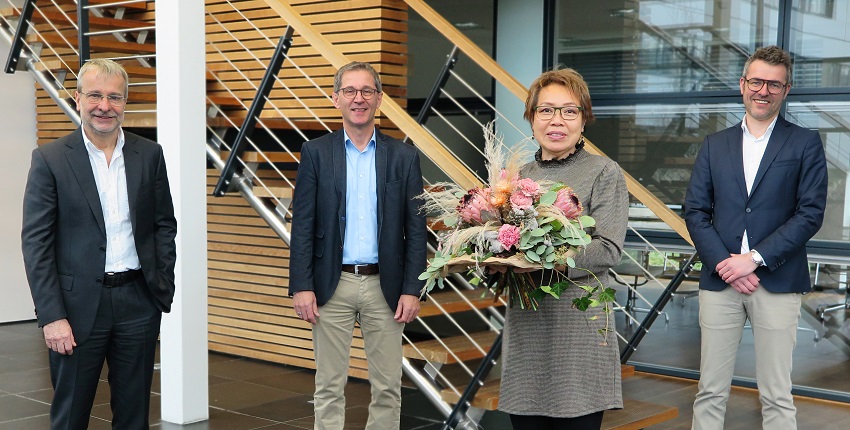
{"x": 20, "y": 34}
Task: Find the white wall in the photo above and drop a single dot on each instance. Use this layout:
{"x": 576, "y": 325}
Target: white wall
{"x": 17, "y": 140}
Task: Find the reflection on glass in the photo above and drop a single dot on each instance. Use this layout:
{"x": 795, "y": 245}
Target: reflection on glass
{"x": 657, "y": 144}
{"x": 820, "y": 44}
{"x": 832, "y": 119}
{"x": 662, "y": 46}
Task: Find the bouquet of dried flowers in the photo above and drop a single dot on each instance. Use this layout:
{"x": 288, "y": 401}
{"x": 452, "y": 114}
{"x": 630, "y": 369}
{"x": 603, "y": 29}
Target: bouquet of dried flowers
{"x": 514, "y": 222}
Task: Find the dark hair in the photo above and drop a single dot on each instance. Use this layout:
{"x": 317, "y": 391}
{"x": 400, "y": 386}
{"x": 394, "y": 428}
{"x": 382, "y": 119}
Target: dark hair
{"x": 568, "y": 78}
{"x": 773, "y": 55}
{"x": 352, "y": 66}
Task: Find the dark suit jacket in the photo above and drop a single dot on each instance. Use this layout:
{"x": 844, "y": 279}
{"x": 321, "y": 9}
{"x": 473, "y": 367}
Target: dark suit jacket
{"x": 318, "y": 218}
{"x": 64, "y": 236}
{"x": 783, "y": 211}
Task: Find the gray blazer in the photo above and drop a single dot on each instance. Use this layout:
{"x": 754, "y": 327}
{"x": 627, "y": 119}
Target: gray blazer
{"x": 64, "y": 236}
{"x": 318, "y": 218}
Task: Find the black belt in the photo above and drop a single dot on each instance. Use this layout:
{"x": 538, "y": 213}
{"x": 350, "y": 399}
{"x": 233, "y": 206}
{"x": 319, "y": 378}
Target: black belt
{"x": 114, "y": 279}
{"x": 361, "y": 269}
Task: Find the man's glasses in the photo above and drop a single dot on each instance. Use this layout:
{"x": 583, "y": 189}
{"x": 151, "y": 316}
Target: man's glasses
{"x": 546, "y": 113}
{"x": 350, "y": 93}
{"x": 95, "y": 98}
{"x": 774, "y": 87}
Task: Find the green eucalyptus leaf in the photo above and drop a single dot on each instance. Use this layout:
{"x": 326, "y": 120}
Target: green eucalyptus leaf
{"x": 450, "y": 221}
{"x": 571, "y": 263}
{"x": 531, "y": 255}
{"x": 586, "y": 221}
{"x": 537, "y": 232}
{"x": 548, "y": 197}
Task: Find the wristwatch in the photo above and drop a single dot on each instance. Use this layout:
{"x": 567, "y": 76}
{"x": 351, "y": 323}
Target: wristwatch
{"x": 756, "y": 257}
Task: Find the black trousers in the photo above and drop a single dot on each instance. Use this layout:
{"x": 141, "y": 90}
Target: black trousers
{"x": 538, "y": 422}
{"x": 124, "y": 335}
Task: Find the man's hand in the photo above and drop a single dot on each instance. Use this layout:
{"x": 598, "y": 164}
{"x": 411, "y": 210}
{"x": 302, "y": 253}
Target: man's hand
{"x": 304, "y": 303}
{"x": 736, "y": 266}
{"x": 408, "y": 308}
{"x": 59, "y": 337}
{"x": 746, "y": 284}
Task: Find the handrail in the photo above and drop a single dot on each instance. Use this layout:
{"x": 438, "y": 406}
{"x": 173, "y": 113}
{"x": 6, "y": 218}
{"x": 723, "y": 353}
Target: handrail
{"x": 511, "y": 84}
{"x": 423, "y": 140}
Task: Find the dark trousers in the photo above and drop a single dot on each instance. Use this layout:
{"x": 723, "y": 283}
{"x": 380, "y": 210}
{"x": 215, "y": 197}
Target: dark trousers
{"x": 125, "y": 334}
{"x": 537, "y": 422}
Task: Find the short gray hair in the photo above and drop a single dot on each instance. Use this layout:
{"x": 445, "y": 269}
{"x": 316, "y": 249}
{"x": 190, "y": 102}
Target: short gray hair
{"x": 352, "y": 66}
{"x": 106, "y": 69}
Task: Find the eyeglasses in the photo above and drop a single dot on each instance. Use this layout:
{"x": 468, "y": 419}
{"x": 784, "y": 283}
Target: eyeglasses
{"x": 546, "y": 113}
{"x": 95, "y": 98}
{"x": 773, "y": 87}
{"x": 351, "y": 93}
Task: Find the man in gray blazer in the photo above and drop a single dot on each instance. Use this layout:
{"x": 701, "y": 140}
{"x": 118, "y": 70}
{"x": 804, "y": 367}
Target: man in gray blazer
{"x": 357, "y": 249}
{"x": 99, "y": 252}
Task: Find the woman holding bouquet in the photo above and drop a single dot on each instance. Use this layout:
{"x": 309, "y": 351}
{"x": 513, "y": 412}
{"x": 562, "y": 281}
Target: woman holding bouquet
{"x": 558, "y": 373}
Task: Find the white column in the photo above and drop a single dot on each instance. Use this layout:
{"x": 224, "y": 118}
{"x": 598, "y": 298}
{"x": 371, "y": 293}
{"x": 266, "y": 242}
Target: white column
{"x": 181, "y": 130}
{"x": 519, "y": 50}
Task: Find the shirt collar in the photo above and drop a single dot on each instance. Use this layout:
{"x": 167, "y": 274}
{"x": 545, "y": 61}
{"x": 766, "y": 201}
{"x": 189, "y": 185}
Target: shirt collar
{"x": 92, "y": 150}
{"x": 766, "y": 132}
{"x": 370, "y": 145}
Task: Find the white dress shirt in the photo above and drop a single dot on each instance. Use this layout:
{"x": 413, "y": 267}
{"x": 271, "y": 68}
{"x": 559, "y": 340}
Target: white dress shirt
{"x": 111, "y": 183}
{"x": 753, "y": 151}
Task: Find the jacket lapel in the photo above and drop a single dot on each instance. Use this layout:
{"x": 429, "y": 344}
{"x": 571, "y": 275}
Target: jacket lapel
{"x": 736, "y": 158}
{"x": 381, "y": 158}
{"x": 132, "y": 166}
{"x": 78, "y": 159}
{"x": 338, "y": 155}
{"x": 777, "y": 140}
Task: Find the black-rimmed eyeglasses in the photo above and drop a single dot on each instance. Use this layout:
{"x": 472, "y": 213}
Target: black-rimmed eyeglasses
{"x": 350, "y": 93}
{"x": 95, "y": 98}
{"x": 546, "y": 113}
{"x": 774, "y": 87}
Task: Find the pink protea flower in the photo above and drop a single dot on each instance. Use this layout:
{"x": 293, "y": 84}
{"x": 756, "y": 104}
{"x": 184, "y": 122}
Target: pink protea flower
{"x": 528, "y": 187}
{"x": 475, "y": 207}
{"x": 509, "y": 236}
{"x": 567, "y": 201}
{"x": 521, "y": 201}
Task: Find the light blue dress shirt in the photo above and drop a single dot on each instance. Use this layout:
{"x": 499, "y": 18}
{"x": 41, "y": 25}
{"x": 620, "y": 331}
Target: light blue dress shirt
{"x": 360, "y": 245}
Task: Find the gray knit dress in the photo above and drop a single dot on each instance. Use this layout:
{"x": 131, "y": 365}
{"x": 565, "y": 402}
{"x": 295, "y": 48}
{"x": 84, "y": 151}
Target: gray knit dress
{"x": 554, "y": 362}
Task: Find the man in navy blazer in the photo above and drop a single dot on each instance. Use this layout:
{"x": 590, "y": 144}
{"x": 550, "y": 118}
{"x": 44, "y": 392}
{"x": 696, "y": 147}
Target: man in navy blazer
{"x": 99, "y": 253}
{"x": 357, "y": 249}
{"x": 756, "y": 196}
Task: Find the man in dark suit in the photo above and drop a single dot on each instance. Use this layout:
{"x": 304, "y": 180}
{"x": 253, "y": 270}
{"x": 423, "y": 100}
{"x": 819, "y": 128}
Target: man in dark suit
{"x": 756, "y": 196}
{"x": 99, "y": 252}
{"x": 357, "y": 249}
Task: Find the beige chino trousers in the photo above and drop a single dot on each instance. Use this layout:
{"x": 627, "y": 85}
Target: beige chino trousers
{"x": 358, "y": 297}
{"x": 773, "y": 317}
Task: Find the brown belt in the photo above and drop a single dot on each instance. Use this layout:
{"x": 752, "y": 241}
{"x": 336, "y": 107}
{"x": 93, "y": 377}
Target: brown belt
{"x": 114, "y": 279}
{"x": 361, "y": 269}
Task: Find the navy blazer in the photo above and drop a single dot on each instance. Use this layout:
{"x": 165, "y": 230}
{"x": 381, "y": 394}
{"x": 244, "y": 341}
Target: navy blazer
{"x": 64, "y": 236}
{"x": 318, "y": 218}
{"x": 783, "y": 211}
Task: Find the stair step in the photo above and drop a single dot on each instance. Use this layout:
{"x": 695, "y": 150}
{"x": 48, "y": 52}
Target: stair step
{"x": 102, "y": 45}
{"x": 136, "y": 5}
{"x": 434, "y": 352}
{"x": 266, "y": 157}
{"x": 453, "y": 302}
